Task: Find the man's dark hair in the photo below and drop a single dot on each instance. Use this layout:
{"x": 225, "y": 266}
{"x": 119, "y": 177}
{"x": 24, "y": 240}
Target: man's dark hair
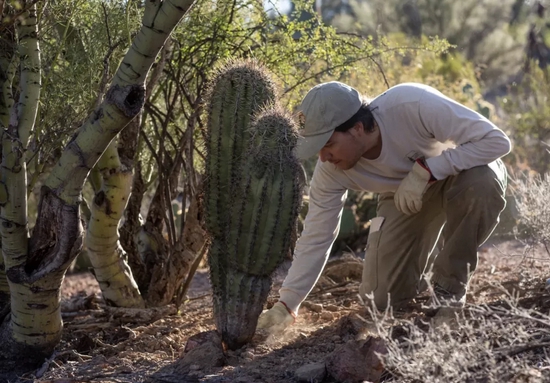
{"x": 364, "y": 114}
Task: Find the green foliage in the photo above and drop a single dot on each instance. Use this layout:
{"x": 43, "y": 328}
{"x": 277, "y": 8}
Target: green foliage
{"x": 528, "y": 108}
{"x": 79, "y": 42}
{"x": 81, "y": 45}
{"x": 82, "y": 42}
{"x": 300, "y": 52}
{"x": 252, "y": 195}
{"x": 479, "y": 30}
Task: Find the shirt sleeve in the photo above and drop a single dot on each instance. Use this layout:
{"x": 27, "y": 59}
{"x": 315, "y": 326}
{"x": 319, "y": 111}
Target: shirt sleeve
{"x": 321, "y": 227}
{"x": 478, "y": 141}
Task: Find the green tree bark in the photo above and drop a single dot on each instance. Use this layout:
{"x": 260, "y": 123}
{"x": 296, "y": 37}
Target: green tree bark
{"x": 35, "y": 268}
{"x": 30, "y": 307}
{"x": 8, "y": 66}
{"x": 159, "y": 264}
{"x": 106, "y": 255}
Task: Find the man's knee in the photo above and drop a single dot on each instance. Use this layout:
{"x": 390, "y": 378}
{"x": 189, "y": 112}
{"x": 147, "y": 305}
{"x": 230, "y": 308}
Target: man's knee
{"x": 477, "y": 187}
{"x": 481, "y": 181}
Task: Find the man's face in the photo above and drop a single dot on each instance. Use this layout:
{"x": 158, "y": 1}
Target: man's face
{"x": 342, "y": 150}
{"x": 345, "y": 149}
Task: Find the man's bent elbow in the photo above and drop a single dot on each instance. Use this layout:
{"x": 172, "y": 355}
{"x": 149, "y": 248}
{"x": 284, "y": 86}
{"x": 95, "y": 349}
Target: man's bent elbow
{"x": 506, "y": 145}
{"x": 501, "y": 144}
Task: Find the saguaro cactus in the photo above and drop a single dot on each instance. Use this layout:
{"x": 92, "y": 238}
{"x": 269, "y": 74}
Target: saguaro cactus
{"x": 239, "y": 90}
{"x": 252, "y": 196}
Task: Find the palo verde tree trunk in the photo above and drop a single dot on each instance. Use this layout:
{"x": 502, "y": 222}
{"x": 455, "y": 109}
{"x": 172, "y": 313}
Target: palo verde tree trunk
{"x": 8, "y": 66}
{"x": 112, "y": 193}
{"x": 106, "y": 255}
{"x": 13, "y": 211}
{"x": 160, "y": 265}
{"x": 35, "y": 268}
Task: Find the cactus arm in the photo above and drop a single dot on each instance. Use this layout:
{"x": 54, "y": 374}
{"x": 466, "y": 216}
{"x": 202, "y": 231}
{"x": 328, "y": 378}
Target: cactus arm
{"x": 239, "y": 91}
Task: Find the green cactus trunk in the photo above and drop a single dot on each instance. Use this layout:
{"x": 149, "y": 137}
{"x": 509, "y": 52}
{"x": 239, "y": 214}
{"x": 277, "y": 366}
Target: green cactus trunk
{"x": 252, "y": 196}
{"x": 238, "y": 91}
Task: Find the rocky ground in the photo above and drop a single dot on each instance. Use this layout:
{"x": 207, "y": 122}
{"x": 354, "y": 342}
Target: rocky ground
{"x": 102, "y": 344}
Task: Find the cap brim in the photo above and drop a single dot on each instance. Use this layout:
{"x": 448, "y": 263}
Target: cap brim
{"x": 307, "y": 147}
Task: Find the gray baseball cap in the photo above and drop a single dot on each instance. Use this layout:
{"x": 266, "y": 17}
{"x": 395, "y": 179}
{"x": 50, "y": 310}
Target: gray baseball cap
{"x": 323, "y": 109}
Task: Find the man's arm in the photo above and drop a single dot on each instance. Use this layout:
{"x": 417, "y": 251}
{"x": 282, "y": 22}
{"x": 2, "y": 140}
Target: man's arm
{"x": 321, "y": 227}
{"x": 478, "y": 141}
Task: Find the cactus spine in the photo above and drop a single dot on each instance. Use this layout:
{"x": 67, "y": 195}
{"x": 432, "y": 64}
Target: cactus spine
{"x": 252, "y": 195}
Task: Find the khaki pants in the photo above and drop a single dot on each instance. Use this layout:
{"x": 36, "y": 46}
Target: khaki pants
{"x": 462, "y": 209}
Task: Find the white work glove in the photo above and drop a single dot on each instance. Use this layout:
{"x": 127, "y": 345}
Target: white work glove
{"x": 276, "y": 319}
{"x": 408, "y": 197}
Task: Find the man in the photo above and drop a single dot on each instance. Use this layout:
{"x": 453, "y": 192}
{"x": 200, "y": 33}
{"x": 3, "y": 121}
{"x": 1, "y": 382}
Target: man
{"x": 436, "y": 166}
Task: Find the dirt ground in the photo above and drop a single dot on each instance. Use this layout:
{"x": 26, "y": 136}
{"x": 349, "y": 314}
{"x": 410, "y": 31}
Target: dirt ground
{"x": 102, "y": 344}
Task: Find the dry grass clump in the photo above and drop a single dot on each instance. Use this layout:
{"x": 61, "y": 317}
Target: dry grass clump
{"x": 532, "y": 195}
{"x": 505, "y": 341}
{"x": 500, "y": 343}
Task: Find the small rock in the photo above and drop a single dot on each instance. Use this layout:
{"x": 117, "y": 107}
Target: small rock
{"x": 327, "y": 316}
{"x": 351, "y": 327}
{"x": 247, "y": 355}
{"x": 203, "y": 351}
{"x": 198, "y": 340}
{"x": 332, "y": 308}
{"x": 346, "y": 303}
{"x": 311, "y": 373}
{"x": 262, "y": 349}
{"x": 357, "y": 361}
{"x": 336, "y": 338}
{"x": 315, "y": 307}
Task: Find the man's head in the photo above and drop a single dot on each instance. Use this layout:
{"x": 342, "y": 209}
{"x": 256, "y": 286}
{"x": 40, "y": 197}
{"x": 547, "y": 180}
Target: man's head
{"x": 325, "y": 107}
{"x": 336, "y": 124}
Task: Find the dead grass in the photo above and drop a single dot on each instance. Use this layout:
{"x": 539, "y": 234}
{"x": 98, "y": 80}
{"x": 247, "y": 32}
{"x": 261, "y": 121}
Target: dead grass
{"x": 504, "y": 341}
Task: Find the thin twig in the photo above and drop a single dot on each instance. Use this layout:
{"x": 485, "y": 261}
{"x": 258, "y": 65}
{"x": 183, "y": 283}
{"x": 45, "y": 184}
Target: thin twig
{"x": 190, "y": 276}
{"x": 511, "y": 351}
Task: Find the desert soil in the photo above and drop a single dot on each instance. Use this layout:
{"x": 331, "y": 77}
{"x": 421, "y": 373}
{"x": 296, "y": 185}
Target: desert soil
{"x": 102, "y": 344}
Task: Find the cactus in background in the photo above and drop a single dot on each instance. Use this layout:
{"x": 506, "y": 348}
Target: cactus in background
{"x": 252, "y": 195}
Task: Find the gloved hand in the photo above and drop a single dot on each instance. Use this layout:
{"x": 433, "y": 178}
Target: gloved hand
{"x": 408, "y": 197}
{"x": 276, "y": 318}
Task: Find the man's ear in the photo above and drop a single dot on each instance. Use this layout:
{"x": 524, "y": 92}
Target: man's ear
{"x": 358, "y": 127}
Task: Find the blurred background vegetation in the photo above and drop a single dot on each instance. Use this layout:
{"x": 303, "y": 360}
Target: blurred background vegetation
{"x": 491, "y": 55}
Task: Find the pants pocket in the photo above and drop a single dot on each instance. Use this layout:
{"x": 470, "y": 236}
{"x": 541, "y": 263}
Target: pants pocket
{"x": 371, "y": 263}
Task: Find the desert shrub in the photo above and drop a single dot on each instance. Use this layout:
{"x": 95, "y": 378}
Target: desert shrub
{"x": 528, "y": 121}
{"x": 499, "y": 343}
{"x": 532, "y": 192}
